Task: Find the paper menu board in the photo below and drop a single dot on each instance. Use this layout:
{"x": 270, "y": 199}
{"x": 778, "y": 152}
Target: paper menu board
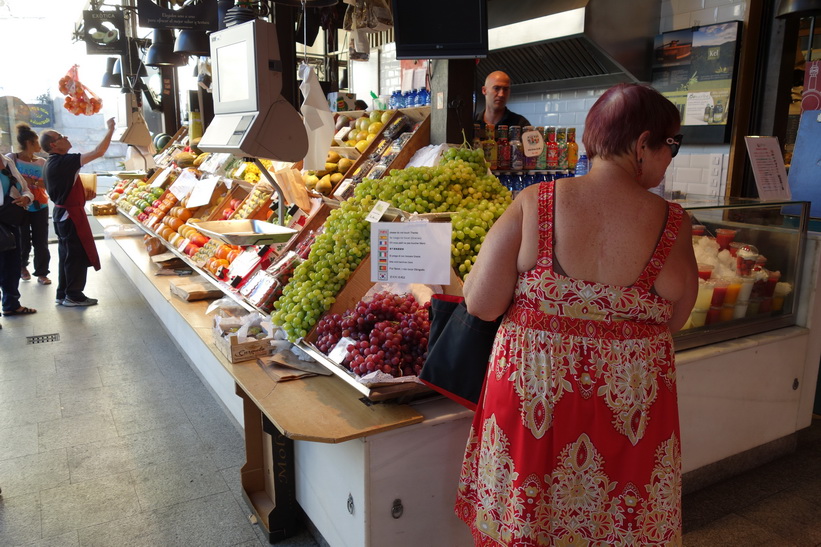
{"x": 202, "y": 192}
{"x": 768, "y": 168}
{"x": 411, "y": 252}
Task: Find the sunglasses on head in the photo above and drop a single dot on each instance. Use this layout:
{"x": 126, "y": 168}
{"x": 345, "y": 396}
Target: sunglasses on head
{"x": 674, "y": 143}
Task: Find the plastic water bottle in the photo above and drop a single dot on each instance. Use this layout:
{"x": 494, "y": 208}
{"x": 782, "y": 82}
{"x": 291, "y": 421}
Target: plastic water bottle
{"x": 403, "y": 103}
{"x": 413, "y": 96}
{"x": 394, "y": 100}
{"x": 424, "y": 97}
{"x": 582, "y": 166}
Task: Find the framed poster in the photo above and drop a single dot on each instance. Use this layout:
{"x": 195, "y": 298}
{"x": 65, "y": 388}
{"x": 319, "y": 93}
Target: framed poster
{"x": 695, "y": 68}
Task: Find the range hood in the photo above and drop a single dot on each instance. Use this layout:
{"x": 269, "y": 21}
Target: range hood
{"x": 552, "y": 45}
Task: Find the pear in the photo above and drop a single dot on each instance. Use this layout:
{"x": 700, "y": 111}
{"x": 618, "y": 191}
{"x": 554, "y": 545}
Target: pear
{"x": 344, "y": 165}
{"x": 336, "y": 178}
{"x": 330, "y": 167}
{"x": 333, "y": 157}
{"x": 311, "y": 182}
{"x": 324, "y": 186}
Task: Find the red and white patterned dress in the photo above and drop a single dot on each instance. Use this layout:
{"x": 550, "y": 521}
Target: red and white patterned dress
{"x": 576, "y": 438}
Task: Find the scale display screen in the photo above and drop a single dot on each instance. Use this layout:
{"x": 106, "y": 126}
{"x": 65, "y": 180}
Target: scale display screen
{"x": 234, "y": 64}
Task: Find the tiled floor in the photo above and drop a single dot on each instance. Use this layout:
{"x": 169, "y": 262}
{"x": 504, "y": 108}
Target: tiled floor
{"x": 107, "y": 437}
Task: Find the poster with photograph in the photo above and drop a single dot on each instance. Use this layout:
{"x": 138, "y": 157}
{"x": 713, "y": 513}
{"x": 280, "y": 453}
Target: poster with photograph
{"x": 695, "y": 68}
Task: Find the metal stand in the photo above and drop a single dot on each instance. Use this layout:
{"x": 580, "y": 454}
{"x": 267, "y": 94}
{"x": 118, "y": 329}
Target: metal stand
{"x": 273, "y": 183}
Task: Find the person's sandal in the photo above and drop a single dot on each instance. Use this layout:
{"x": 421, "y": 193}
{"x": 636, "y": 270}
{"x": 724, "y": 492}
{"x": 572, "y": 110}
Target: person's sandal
{"x": 43, "y": 280}
{"x": 22, "y": 310}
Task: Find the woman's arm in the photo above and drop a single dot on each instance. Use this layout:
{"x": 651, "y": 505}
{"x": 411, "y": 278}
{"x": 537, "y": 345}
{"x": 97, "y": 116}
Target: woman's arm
{"x": 682, "y": 256}
{"x": 489, "y": 286}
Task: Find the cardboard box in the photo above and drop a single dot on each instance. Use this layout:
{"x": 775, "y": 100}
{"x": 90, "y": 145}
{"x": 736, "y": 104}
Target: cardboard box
{"x": 236, "y": 351}
{"x": 340, "y": 102}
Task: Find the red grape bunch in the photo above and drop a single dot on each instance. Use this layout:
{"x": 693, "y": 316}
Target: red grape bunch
{"x": 389, "y": 333}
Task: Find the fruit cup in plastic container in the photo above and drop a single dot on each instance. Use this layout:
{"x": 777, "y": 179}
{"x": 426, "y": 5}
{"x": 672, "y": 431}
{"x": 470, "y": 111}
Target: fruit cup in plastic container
{"x": 698, "y": 317}
{"x": 740, "y": 309}
{"x": 726, "y": 313}
{"x": 725, "y": 236}
{"x": 746, "y": 289}
{"x": 734, "y": 247}
{"x": 753, "y": 306}
{"x": 704, "y": 296}
{"x": 733, "y": 289}
{"x": 719, "y": 292}
{"x": 772, "y": 281}
{"x": 745, "y": 259}
{"x": 699, "y": 229}
{"x": 766, "y": 305}
{"x": 705, "y": 271}
{"x": 713, "y": 315}
{"x": 781, "y": 291}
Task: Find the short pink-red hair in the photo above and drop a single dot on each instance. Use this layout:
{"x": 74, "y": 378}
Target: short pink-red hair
{"x": 622, "y": 114}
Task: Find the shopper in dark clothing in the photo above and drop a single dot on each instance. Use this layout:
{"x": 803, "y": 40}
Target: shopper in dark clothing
{"x": 75, "y": 245}
{"x": 497, "y": 92}
{"x": 34, "y": 229}
{"x": 13, "y": 189}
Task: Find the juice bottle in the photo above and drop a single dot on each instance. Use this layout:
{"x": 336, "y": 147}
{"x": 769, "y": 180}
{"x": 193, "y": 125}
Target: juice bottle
{"x": 530, "y": 161}
{"x": 572, "y": 148}
{"x": 517, "y": 155}
{"x": 561, "y": 141}
{"x": 489, "y": 147}
{"x": 541, "y": 159}
{"x": 502, "y": 147}
{"x": 552, "y": 148}
{"x": 477, "y": 136}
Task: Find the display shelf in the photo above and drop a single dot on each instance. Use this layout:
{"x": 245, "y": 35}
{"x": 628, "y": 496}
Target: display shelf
{"x": 319, "y": 408}
{"x": 221, "y": 285}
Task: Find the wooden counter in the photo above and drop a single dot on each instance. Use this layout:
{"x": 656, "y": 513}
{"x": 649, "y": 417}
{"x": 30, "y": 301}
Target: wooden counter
{"x": 320, "y": 408}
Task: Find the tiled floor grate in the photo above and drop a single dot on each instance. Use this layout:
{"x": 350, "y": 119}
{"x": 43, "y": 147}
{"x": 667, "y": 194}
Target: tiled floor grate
{"x": 42, "y": 338}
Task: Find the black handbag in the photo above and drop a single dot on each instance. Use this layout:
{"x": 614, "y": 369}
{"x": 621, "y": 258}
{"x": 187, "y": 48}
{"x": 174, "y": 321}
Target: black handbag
{"x": 8, "y": 241}
{"x": 459, "y": 347}
{"x": 11, "y": 213}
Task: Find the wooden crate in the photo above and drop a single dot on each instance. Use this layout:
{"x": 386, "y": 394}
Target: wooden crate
{"x": 419, "y": 139}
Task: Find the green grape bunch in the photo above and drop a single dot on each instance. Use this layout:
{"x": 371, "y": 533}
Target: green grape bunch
{"x": 461, "y": 184}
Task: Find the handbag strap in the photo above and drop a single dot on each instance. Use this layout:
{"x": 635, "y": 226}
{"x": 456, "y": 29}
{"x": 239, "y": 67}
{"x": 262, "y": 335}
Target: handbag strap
{"x": 545, "y": 258}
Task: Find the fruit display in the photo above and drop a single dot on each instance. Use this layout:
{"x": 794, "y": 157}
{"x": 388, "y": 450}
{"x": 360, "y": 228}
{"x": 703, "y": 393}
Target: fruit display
{"x": 388, "y": 333}
{"x": 251, "y": 173}
{"x": 324, "y": 181}
{"x": 259, "y": 198}
{"x": 365, "y": 129}
{"x": 460, "y": 184}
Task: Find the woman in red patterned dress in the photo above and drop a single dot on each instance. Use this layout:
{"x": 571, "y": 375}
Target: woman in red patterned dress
{"x": 576, "y": 438}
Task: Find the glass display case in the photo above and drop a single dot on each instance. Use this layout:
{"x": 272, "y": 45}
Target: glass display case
{"x": 750, "y": 255}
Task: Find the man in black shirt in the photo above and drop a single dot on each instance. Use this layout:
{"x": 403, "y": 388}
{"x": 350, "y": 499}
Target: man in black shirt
{"x": 497, "y": 91}
{"x": 75, "y": 244}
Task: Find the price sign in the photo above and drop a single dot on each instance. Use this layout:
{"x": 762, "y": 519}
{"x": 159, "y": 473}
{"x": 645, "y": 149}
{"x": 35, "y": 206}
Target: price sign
{"x": 411, "y": 252}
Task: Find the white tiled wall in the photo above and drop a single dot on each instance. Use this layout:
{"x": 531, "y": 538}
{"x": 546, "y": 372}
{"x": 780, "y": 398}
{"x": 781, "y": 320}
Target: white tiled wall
{"x": 699, "y": 169}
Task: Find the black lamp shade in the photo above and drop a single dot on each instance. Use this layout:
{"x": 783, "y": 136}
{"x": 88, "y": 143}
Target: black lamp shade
{"x": 799, "y": 8}
{"x": 193, "y": 42}
{"x": 161, "y": 52}
{"x": 109, "y": 78}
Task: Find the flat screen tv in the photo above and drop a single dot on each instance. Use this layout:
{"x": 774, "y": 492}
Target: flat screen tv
{"x": 440, "y": 29}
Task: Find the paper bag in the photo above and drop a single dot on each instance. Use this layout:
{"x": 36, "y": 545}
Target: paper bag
{"x": 318, "y": 120}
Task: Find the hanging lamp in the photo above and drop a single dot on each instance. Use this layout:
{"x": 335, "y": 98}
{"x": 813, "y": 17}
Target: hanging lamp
{"x": 161, "y": 53}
